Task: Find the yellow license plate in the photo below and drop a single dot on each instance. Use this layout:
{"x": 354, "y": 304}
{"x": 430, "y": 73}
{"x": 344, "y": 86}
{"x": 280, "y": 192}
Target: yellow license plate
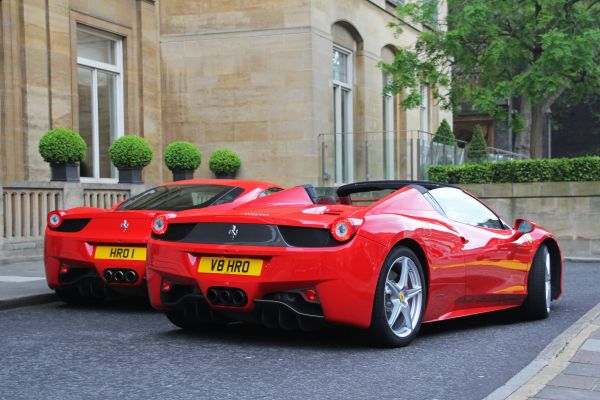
{"x": 120, "y": 253}
{"x": 230, "y": 266}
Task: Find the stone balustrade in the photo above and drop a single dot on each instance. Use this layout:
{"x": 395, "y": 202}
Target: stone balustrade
{"x": 25, "y": 205}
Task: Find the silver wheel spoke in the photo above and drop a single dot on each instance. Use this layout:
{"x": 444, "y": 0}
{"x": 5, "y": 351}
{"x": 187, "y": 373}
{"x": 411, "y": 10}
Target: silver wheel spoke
{"x": 396, "y": 308}
{"x": 404, "y": 274}
{"x": 410, "y": 293}
{"x": 407, "y": 317}
{"x": 548, "y": 281}
{"x": 392, "y": 288}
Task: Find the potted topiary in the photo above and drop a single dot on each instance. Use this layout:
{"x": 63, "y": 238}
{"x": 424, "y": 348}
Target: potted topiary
{"x": 130, "y": 154}
{"x": 182, "y": 158}
{"x": 63, "y": 149}
{"x": 224, "y": 163}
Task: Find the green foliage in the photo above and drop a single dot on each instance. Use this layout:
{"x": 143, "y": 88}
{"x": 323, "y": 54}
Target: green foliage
{"x": 493, "y": 49}
{"x": 545, "y": 170}
{"x": 477, "y": 149}
{"x": 60, "y": 146}
{"x": 444, "y": 134}
{"x": 224, "y": 161}
{"x": 130, "y": 151}
{"x": 182, "y": 155}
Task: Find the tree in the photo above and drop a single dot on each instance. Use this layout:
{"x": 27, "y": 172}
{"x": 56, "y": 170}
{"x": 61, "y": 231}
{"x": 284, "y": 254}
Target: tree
{"x": 477, "y": 150}
{"x": 490, "y": 50}
{"x": 444, "y": 134}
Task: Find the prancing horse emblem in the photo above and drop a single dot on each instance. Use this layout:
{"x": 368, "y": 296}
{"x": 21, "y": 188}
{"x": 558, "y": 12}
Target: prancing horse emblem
{"x": 124, "y": 225}
{"x": 233, "y": 232}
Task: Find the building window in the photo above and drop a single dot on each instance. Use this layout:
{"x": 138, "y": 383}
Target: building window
{"x": 343, "y": 115}
{"x": 424, "y": 108}
{"x": 388, "y": 128}
{"x": 100, "y": 96}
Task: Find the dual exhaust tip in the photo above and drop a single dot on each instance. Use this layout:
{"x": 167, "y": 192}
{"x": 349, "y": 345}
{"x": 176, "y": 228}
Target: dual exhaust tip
{"x": 120, "y": 275}
{"x": 227, "y": 296}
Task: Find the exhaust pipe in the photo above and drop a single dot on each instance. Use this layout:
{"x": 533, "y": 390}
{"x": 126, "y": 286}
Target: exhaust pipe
{"x": 239, "y": 298}
{"x": 130, "y": 276}
{"x": 119, "y": 276}
{"x": 108, "y": 275}
{"x": 212, "y": 295}
{"x": 224, "y": 297}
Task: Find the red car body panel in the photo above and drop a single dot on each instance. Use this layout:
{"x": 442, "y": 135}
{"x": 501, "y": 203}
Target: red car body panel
{"x": 486, "y": 272}
{"x": 77, "y": 248}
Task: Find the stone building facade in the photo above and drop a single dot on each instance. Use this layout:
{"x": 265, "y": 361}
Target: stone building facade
{"x": 292, "y": 85}
{"x": 93, "y": 66}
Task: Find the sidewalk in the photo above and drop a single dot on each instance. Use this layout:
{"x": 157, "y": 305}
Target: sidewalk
{"x": 23, "y": 283}
{"x": 567, "y": 369}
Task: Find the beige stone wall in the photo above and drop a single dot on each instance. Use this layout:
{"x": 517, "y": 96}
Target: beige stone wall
{"x": 38, "y": 70}
{"x": 570, "y": 210}
{"x": 256, "y": 76}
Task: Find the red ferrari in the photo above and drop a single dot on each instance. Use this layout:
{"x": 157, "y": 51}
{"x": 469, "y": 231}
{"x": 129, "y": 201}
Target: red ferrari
{"x": 384, "y": 256}
{"x": 89, "y": 250}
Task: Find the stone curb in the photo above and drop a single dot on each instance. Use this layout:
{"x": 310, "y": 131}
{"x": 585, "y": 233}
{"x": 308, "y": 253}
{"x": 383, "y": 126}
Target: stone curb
{"x": 583, "y": 260}
{"x": 27, "y": 301}
{"x": 574, "y": 335}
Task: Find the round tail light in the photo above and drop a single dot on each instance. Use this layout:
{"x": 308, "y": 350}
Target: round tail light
{"x": 160, "y": 224}
{"x": 55, "y": 218}
{"x": 342, "y": 229}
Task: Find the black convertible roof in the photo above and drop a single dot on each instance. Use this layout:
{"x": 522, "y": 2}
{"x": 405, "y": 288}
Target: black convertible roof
{"x": 422, "y": 186}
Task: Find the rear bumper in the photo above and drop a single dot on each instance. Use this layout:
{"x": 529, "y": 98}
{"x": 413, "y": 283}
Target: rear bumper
{"x": 344, "y": 277}
{"x": 78, "y": 254}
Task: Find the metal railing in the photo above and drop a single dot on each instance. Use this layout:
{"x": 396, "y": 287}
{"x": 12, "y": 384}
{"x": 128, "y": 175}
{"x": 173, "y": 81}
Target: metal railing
{"x": 365, "y": 156}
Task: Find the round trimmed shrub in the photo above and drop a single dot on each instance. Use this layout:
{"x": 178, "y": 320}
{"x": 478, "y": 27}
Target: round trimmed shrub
{"x": 224, "y": 161}
{"x": 62, "y": 146}
{"x": 130, "y": 152}
{"x": 182, "y": 156}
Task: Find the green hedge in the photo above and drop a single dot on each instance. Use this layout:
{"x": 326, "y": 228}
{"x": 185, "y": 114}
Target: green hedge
{"x": 544, "y": 170}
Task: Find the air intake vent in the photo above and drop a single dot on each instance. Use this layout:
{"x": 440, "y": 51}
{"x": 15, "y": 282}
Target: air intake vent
{"x": 71, "y": 225}
{"x": 332, "y": 211}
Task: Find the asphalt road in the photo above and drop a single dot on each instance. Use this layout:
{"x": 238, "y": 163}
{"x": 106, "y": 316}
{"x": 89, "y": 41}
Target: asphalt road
{"x": 131, "y": 352}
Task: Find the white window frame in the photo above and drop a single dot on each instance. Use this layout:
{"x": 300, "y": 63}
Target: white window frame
{"x": 344, "y": 140}
{"x": 117, "y": 71}
{"x": 424, "y": 116}
{"x": 389, "y": 122}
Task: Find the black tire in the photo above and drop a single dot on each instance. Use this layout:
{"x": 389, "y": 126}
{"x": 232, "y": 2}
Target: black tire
{"x": 534, "y": 306}
{"x": 75, "y": 297}
{"x": 380, "y": 331}
{"x": 192, "y": 322}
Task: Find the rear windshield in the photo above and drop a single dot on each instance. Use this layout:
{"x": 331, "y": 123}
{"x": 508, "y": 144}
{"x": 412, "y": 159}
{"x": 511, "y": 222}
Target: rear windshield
{"x": 366, "y": 198}
{"x": 182, "y": 197}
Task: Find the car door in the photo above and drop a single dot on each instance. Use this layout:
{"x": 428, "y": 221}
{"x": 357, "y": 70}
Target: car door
{"x": 495, "y": 274}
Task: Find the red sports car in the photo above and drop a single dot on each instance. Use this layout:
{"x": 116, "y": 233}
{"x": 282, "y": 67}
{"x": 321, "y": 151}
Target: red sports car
{"x": 384, "y": 256}
{"x": 89, "y": 249}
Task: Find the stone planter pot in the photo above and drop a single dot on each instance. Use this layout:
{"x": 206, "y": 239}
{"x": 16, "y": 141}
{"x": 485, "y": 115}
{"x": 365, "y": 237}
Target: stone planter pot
{"x": 130, "y": 175}
{"x": 68, "y": 172}
{"x": 182, "y": 174}
{"x": 225, "y": 176}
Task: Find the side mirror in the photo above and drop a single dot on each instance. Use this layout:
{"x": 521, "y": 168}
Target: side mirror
{"x": 524, "y": 226}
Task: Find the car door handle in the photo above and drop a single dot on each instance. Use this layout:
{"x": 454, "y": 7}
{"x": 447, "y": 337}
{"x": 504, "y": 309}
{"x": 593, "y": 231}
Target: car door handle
{"x": 464, "y": 240}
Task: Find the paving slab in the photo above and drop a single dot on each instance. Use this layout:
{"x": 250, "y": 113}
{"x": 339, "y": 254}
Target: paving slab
{"x": 587, "y": 357}
{"x": 574, "y": 381}
{"x": 23, "y": 283}
{"x": 575, "y": 368}
{"x": 562, "y": 393}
